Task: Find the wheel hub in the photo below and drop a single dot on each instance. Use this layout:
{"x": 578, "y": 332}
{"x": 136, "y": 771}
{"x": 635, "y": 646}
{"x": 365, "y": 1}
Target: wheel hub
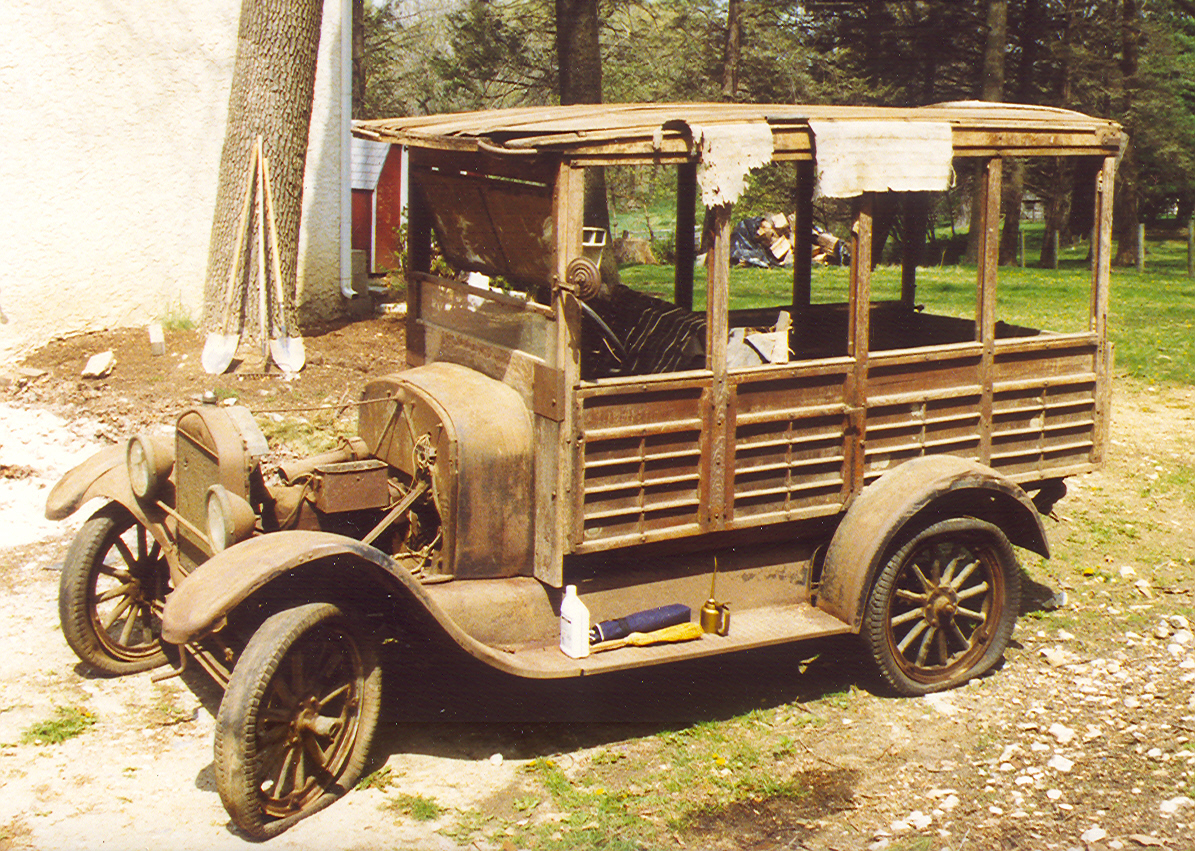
{"x": 941, "y": 608}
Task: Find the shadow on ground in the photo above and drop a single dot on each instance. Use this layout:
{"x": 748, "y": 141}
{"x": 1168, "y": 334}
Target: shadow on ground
{"x": 444, "y": 703}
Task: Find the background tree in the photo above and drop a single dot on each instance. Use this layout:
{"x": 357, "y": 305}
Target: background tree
{"x": 272, "y": 84}
{"x": 1129, "y": 60}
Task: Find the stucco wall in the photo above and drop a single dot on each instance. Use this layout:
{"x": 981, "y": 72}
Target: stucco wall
{"x": 112, "y": 116}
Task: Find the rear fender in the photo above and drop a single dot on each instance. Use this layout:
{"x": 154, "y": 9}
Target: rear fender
{"x": 905, "y": 500}
{"x": 203, "y": 601}
{"x": 106, "y": 476}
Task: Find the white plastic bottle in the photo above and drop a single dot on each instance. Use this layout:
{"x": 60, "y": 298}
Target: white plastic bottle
{"x": 574, "y": 625}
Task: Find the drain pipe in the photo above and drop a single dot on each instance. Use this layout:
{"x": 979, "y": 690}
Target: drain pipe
{"x": 346, "y": 149}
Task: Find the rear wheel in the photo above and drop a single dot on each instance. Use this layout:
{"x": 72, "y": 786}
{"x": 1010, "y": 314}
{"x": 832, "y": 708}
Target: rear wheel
{"x": 295, "y": 725}
{"x": 944, "y": 606}
{"x": 110, "y": 597}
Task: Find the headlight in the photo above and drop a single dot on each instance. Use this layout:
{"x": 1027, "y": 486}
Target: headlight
{"x": 230, "y": 519}
{"x": 149, "y": 464}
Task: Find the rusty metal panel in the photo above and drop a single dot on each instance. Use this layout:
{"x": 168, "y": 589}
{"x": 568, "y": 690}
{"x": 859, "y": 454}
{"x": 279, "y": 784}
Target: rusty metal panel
{"x": 498, "y": 227}
{"x": 548, "y": 393}
{"x": 350, "y": 486}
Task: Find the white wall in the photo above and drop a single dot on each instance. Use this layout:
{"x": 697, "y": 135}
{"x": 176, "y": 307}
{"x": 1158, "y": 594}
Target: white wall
{"x": 112, "y": 116}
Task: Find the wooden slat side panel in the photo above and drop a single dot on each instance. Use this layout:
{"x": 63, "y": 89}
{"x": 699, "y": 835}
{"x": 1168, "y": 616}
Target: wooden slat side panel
{"x": 931, "y": 374}
{"x": 1043, "y": 429}
{"x": 1051, "y": 359}
{"x": 641, "y": 462}
{"x": 925, "y": 406}
{"x": 789, "y": 453}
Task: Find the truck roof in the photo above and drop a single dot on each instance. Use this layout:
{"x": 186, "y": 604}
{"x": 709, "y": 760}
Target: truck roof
{"x": 664, "y": 131}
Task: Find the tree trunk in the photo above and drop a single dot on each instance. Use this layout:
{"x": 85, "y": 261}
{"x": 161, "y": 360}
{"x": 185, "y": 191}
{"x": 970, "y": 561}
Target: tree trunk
{"x": 359, "y": 81}
{"x": 579, "y": 56}
{"x": 734, "y": 38}
{"x": 578, "y": 51}
{"x": 993, "y": 55}
{"x": 1126, "y": 205}
{"x": 992, "y": 88}
{"x": 1011, "y": 195}
{"x": 272, "y": 84}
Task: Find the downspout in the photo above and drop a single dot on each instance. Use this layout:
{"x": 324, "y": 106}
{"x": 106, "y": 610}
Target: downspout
{"x": 346, "y": 148}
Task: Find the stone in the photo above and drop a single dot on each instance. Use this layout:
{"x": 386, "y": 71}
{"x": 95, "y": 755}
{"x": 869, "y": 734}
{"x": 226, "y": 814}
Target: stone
{"x": 99, "y": 365}
{"x": 1093, "y": 834}
{"x": 157, "y": 339}
{"x": 1061, "y": 733}
{"x": 1173, "y": 805}
{"x": 1060, "y": 763}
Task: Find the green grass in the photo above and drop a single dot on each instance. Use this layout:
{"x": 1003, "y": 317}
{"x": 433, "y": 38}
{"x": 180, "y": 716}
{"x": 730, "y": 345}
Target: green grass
{"x": 418, "y": 807}
{"x": 68, "y": 722}
{"x": 1150, "y": 321}
{"x": 646, "y": 791}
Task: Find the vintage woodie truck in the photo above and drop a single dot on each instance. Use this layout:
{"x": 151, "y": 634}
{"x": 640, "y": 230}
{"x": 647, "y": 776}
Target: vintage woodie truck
{"x": 866, "y": 465}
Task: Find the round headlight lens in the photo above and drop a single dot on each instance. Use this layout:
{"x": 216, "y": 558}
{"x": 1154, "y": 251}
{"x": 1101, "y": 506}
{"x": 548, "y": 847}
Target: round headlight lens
{"x": 230, "y": 518}
{"x": 218, "y": 517}
{"x": 140, "y": 467}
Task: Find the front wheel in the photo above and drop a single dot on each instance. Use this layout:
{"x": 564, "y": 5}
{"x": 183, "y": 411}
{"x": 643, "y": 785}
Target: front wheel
{"x": 295, "y": 725}
{"x": 944, "y": 606}
{"x": 110, "y": 597}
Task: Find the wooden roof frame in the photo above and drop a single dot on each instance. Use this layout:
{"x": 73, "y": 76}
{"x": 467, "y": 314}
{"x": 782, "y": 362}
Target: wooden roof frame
{"x": 638, "y": 132}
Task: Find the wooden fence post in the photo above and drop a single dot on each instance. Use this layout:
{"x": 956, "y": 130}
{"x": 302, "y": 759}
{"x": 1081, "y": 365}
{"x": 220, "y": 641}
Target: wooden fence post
{"x": 1140, "y": 248}
{"x": 1191, "y": 248}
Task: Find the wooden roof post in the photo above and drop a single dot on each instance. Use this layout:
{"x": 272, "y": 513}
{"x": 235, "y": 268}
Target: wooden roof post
{"x": 985, "y": 319}
{"x": 717, "y": 298}
{"x": 419, "y": 259}
{"x": 1101, "y": 276}
{"x": 858, "y": 342}
{"x": 556, "y": 445}
{"x": 802, "y": 235}
{"x": 686, "y": 221}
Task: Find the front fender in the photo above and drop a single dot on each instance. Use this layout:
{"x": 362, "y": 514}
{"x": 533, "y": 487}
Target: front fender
{"x": 915, "y": 494}
{"x": 90, "y": 479}
{"x": 202, "y": 601}
{"x": 106, "y": 476}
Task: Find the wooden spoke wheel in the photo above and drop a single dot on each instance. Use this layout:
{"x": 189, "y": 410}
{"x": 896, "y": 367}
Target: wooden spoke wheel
{"x": 943, "y": 607}
{"x": 110, "y": 598}
{"x": 295, "y": 725}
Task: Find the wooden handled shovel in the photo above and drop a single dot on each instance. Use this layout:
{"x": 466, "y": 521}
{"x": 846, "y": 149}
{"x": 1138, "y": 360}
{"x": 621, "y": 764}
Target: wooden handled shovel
{"x": 219, "y": 348}
{"x": 287, "y": 349}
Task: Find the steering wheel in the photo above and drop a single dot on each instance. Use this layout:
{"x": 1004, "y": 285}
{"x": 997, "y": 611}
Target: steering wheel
{"x": 619, "y": 350}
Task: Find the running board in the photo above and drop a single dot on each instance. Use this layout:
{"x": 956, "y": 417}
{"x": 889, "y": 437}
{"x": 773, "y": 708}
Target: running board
{"x": 758, "y": 627}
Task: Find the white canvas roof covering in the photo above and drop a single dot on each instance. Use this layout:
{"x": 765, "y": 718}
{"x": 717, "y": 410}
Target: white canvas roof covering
{"x": 857, "y": 156}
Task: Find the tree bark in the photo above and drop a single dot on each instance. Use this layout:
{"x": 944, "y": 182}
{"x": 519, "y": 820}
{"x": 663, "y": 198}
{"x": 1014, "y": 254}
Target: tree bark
{"x": 734, "y": 39}
{"x": 272, "y": 84}
{"x": 578, "y": 51}
{"x": 1127, "y": 201}
{"x": 992, "y": 88}
{"x": 579, "y": 58}
{"x": 359, "y": 81}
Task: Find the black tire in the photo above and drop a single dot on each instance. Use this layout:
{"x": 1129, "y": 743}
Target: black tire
{"x": 296, "y": 722}
{"x": 110, "y": 597}
{"x": 944, "y": 606}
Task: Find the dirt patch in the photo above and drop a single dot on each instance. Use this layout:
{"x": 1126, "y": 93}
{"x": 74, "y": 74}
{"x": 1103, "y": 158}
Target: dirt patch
{"x": 1084, "y": 738}
{"x": 776, "y": 820}
{"x": 144, "y": 389}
